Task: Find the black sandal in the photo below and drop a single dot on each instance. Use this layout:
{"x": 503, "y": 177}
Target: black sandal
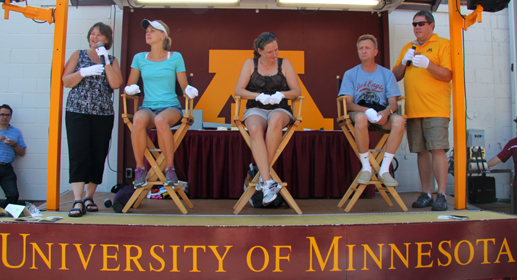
{"x": 92, "y": 207}
{"x": 80, "y": 211}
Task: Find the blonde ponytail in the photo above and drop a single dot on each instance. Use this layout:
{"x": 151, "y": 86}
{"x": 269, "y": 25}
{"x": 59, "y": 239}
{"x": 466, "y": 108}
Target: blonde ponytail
{"x": 167, "y": 43}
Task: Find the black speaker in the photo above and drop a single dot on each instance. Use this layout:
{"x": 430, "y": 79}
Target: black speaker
{"x": 481, "y": 189}
{"x": 488, "y": 5}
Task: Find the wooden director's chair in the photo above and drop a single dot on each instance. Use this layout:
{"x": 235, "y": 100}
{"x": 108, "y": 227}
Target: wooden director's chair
{"x": 375, "y": 155}
{"x": 155, "y": 158}
{"x": 250, "y": 188}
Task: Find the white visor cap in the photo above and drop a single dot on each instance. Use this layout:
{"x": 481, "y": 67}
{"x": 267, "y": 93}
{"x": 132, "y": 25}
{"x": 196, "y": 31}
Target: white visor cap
{"x": 156, "y": 25}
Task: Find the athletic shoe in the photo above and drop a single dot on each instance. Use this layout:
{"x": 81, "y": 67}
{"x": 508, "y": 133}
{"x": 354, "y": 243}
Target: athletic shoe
{"x": 270, "y": 190}
{"x": 252, "y": 173}
{"x": 258, "y": 187}
{"x": 423, "y": 201}
{"x": 253, "y": 170}
{"x": 364, "y": 178}
{"x": 440, "y": 204}
{"x": 387, "y": 180}
{"x": 170, "y": 177}
{"x": 140, "y": 177}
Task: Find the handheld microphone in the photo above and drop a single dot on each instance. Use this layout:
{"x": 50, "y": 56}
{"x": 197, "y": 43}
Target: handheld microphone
{"x": 408, "y": 63}
{"x": 99, "y": 44}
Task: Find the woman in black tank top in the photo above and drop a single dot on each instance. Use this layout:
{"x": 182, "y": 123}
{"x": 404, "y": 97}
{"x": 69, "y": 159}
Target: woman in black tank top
{"x": 267, "y": 82}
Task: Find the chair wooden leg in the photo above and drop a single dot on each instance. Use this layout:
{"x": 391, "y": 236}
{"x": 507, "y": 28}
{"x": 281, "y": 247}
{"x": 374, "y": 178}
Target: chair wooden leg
{"x": 183, "y": 196}
{"x": 143, "y": 195}
{"x": 349, "y": 192}
{"x": 247, "y": 186}
{"x": 347, "y": 195}
{"x": 284, "y": 192}
{"x": 250, "y": 182}
{"x": 245, "y": 197}
{"x": 238, "y": 202}
{"x": 289, "y": 199}
{"x": 176, "y": 199}
{"x": 354, "y": 199}
{"x": 381, "y": 189}
{"x": 132, "y": 200}
{"x": 397, "y": 198}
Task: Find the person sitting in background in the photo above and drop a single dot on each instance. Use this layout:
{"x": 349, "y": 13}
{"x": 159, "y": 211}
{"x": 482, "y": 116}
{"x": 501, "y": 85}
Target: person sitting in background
{"x": 267, "y": 111}
{"x": 374, "y": 93}
{"x": 159, "y": 68}
{"x": 11, "y": 144}
{"x": 509, "y": 150}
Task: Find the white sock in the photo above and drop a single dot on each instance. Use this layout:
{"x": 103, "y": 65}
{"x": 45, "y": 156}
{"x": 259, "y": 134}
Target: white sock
{"x": 365, "y": 161}
{"x": 386, "y": 162}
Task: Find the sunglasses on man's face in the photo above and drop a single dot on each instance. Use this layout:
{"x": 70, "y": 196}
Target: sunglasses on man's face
{"x": 420, "y": 23}
{"x": 267, "y": 36}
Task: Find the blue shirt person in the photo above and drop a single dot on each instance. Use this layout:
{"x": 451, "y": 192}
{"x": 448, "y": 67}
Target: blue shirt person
{"x": 11, "y": 144}
{"x": 374, "y": 91}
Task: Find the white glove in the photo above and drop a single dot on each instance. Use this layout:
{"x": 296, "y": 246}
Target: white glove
{"x": 191, "y": 91}
{"x": 92, "y": 70}
{"x": 263, "y": 98}
{"x": 101, "y": 51}
{"x": 132, "y": 89}
{"x": 276, "y": 98}
{"x": 372, "y": 115}
{"x": 421, "y": 61}
{"x": 408, "y": 57}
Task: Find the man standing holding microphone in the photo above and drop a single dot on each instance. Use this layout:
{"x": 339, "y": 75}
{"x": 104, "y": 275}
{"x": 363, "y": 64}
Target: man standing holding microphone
{"x": 425, "y": 66}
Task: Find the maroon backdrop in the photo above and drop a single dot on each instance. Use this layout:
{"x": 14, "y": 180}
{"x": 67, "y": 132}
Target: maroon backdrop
{"x": 328, "y": 39}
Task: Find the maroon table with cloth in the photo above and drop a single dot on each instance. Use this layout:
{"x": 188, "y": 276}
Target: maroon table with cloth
{"x": 315, "y": 164}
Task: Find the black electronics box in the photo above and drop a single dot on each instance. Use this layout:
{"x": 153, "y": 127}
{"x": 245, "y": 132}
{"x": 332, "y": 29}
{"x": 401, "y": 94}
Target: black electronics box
{"x": 481, "y": 189}
{"x": 488, "y": 5}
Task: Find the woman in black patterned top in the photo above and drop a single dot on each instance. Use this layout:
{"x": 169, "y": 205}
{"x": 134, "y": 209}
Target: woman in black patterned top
{"x": 267, "y": 81}
{"x": 93, "y": 75}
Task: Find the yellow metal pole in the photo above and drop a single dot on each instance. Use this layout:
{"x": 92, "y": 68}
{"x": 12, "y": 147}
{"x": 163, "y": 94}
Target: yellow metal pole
{"x": 56, "y": 105}
{"x": 458, "y": 111}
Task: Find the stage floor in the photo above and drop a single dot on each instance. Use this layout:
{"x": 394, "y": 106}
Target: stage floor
{"x": 219, "y": 212}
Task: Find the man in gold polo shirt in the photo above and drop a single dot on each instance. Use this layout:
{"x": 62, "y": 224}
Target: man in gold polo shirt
{"x": 425, "y": 66}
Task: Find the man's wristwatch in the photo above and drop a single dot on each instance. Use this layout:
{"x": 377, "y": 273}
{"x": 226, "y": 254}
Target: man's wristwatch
{"x": 391, "y": 111}
{"x": 15, "y": 144}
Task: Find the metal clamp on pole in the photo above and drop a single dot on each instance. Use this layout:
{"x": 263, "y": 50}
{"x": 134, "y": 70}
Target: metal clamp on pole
{"x": 29, "y": 12}
{"x": 473, "y": 17}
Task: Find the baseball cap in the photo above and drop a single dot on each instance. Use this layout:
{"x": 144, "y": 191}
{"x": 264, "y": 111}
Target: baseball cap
{"x": 155, "y": 24}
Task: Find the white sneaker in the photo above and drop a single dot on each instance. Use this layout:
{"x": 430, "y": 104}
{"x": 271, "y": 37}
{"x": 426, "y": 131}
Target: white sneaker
{"x": 270, "y": 190}
{"x": 258, "y": 187}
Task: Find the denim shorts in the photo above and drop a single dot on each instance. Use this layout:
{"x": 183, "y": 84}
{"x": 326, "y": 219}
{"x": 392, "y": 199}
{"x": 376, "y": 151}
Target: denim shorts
{"x": 159, "y": 110}
{"x": 265, "y": 113}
